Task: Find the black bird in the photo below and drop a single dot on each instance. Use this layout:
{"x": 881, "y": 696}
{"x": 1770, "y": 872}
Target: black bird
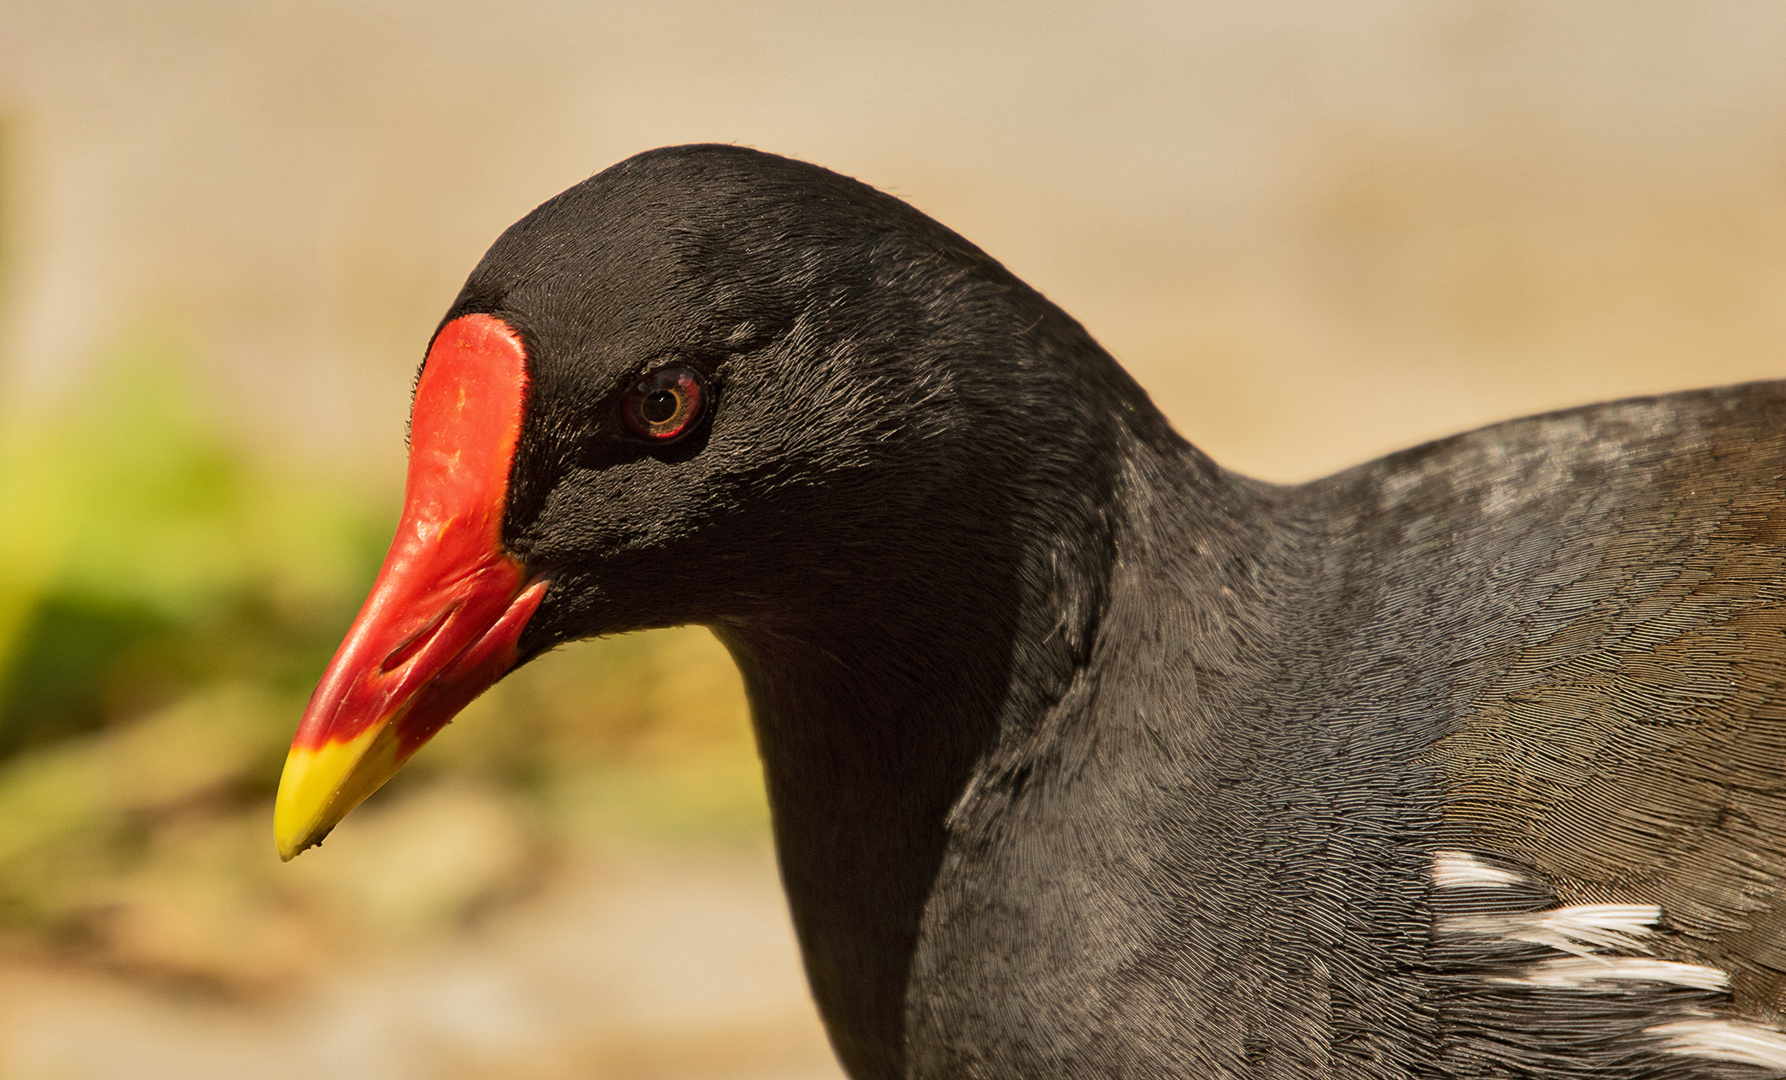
{"x": 1088, "y": 757}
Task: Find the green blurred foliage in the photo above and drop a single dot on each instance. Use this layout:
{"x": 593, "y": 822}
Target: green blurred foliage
{"x": 167, "y": 600}
{"x": 143, "y": 557}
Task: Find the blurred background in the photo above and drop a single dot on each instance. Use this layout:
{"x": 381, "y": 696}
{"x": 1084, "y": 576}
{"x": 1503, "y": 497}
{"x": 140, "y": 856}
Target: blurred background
{"x": 1315, "y": 231}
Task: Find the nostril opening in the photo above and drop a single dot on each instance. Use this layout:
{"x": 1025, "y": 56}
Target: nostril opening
{"x": 419, "y": 640}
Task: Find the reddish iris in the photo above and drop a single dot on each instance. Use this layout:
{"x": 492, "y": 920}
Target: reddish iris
{"x": 664, "y": 405}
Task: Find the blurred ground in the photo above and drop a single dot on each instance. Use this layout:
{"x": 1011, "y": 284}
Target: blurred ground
{"x": 1315, "y": 231}
{"x": 631, "y": 964}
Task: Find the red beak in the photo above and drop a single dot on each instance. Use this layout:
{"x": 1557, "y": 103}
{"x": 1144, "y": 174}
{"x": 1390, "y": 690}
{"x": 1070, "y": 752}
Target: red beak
{"x": 449, "y": 605}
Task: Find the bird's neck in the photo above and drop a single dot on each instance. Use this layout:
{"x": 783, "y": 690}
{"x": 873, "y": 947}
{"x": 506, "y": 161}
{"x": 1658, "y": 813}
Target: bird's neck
{"x": 880, "y": 718}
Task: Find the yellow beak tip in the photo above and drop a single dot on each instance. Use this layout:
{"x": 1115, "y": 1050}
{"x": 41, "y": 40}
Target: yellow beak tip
{"x": 320, "y": 786}
{"x": 292, "y": 845}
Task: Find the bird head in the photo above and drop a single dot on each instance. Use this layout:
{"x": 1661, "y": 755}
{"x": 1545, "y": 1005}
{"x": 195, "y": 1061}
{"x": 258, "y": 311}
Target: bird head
{"x": 706, "y": 386}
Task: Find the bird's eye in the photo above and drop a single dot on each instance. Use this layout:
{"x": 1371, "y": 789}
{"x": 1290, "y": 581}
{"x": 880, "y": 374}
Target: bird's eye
{"x": 664, "y": 405}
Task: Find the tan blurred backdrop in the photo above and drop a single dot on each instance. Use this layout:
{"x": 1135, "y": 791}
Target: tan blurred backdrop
{"x": 1316, "y": 231}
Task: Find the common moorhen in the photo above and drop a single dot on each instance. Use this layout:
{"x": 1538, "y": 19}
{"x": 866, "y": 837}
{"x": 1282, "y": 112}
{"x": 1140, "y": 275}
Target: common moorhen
{"x": 1089, "y": 758}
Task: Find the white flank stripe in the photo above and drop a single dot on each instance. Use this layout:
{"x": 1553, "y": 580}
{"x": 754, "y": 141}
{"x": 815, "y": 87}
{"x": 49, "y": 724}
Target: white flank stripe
{"x": 1578, "y": 972}
{"x": 1725, "y": 1040}
{"x": 1462, "y": 870}
{"x": 1577, "y": 929}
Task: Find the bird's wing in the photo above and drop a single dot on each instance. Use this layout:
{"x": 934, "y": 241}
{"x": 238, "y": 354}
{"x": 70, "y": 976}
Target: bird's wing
{"x": 1611, "y": 733}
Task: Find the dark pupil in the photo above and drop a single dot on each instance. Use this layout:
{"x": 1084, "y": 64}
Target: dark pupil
{"x": 658, "y": 406}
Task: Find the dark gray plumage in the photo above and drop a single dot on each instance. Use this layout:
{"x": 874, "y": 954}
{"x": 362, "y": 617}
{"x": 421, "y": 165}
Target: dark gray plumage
{"x": 1089, "y": 758}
